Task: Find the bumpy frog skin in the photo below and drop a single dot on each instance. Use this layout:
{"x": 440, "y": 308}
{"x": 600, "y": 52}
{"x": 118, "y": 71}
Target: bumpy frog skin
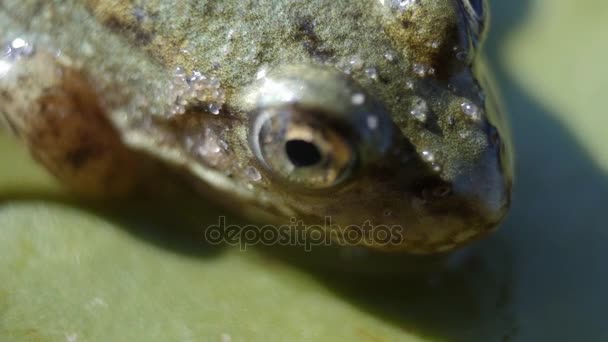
{"x": 373, "y": 111}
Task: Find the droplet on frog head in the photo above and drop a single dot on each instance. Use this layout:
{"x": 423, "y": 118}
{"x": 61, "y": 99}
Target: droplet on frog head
{"x": 419, "y": 69}
{"x": 402, "y": 5}
{"x": 210, "y": 146}
{"x": 372, "y": 122}
{"x": 253, "y": 174}
{"x": 302, "y": 153}
{"x": 358, "y": 99}
{"x": 422, "y": 70}
{"x": 431, "y": 159}
{"x": 194, "y": 90}
{"x": 214, "y": 108}
{"x": 471, "y": 110}
{"x": 428, "y": 156}
{"x": 262, "y": 73}
{"x": 356, "y": 63}
{"x": 17, "y": 48}
{"x": 180, "y": 73}
{"x": 372, "y": 73}
{"x": 18, "y": 43}
{"x": 419, "y": 109}
{"x": 389, "y": 56}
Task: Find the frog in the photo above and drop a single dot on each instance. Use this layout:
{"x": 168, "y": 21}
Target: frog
{"x": 366, "y": 113}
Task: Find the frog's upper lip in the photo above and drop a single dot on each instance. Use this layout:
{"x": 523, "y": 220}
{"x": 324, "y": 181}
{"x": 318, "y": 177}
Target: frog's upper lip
{"x": 486, "y": 192}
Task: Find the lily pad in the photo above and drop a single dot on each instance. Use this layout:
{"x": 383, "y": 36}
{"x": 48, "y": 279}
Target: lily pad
{"x": 76, "y": 272}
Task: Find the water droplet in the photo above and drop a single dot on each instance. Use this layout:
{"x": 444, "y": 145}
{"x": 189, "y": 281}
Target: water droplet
{"x": 419, "y": 109}
{"x": 210, "y": 146}
{"x": 402, "y": 5}
{"x": 17, "y": 49}
{"x": 356, "y": 63}
{"x": 358, "y": 99}
{"x": 428, "y": 156}
{"x": 195, "y": 89}
{"x": 471, "y": 110}
{"x": 262, "y": 72}
{"x": 419, "y": 69}
{"x": 389, "y": 56}
{"x": 214, "y": 108}
{"x": 18, "y": 43}
{"x": 253, "y": 174}
{"x": 464, "y": 134}
{"x": 372, "y": 122}
{"x": 180, "y": 73}
{"x": 409, "y": 84}
{"x": 372, "y": 73}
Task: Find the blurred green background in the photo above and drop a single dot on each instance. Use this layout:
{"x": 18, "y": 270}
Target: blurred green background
{"x": 72, "y": 273}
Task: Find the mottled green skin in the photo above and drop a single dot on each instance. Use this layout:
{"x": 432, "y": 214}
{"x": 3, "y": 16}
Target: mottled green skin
{"x": 128, "y": 52}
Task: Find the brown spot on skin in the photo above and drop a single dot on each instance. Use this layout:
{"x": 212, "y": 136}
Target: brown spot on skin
{"x": 72, "y": 137}
{"x": 58, "y": 115}
{"x": 138, "y": 24}
{"x": 141, "y": 37}
{"x": 312, "y": 43}
{"x": 81, "y": 155}
{"x": 124, "y": 18}
{"x": 428, "y": 36}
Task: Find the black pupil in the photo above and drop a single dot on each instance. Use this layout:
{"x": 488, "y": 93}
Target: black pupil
{"x": 302, "y": 153}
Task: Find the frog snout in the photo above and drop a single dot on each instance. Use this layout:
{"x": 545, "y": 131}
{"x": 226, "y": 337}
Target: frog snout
{"x": 467, "y": 206}
{"x": 485, "y": 190}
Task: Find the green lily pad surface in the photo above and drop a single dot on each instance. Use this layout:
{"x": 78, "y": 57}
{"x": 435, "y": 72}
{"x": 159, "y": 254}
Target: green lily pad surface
{"x": 75, "y": 272}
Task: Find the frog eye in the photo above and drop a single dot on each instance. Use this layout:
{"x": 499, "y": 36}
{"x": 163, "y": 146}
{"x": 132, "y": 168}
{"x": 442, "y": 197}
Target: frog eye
{"x": 297, "y": 146}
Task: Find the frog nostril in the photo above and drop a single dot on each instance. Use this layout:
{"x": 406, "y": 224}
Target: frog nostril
{"x": 436, "y": 192}
{"x": 302, "y": 153}
{"x": 442, "y": 191}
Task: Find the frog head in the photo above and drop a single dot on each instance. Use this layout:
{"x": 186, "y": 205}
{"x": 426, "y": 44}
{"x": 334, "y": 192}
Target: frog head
{"x": 420, "y": 144}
